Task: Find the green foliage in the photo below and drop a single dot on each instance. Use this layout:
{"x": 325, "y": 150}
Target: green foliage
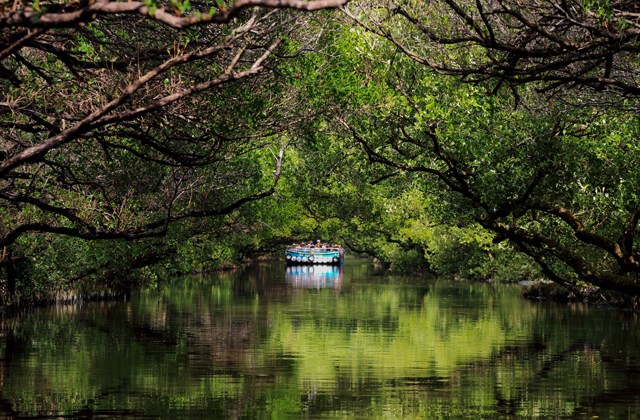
{"x": 386, "y": 156}
{"x": 207, "y": 154}
{"x": 473, "y": 159}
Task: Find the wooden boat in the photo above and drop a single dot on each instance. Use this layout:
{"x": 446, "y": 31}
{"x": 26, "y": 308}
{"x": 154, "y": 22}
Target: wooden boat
{"x": 314, "y": 255}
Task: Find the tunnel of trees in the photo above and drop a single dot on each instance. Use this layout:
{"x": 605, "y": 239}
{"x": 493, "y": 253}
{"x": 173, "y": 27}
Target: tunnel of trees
{"x": 489, "y": 139}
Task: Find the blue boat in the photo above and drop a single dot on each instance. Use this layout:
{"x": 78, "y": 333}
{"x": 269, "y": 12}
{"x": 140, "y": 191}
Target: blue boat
{"x": 323, "y": 254}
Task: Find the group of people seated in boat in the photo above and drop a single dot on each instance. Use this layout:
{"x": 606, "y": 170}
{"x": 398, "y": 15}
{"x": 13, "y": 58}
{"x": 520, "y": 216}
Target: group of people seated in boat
{"x": 318, "y": 244}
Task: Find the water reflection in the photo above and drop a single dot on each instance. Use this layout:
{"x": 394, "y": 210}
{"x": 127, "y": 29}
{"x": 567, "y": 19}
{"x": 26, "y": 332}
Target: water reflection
{"x": 269, "y": 342}
{"x": 314, "y": 276}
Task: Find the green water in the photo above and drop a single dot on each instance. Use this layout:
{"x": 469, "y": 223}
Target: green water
{"x": 269, "y": 342}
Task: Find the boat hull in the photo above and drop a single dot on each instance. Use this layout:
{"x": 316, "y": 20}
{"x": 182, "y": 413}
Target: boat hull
{"x": 310, "y": 256}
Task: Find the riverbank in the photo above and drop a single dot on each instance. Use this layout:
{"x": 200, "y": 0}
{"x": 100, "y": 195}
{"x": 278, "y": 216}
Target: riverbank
{"x": 554, "y": 292}
{"x": 535, "y": 290}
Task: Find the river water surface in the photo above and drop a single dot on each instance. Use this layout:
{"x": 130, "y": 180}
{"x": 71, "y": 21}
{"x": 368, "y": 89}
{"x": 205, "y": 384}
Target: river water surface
{"x": 274, "y": 342}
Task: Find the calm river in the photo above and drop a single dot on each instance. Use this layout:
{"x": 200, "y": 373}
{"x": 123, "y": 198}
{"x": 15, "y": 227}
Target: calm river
{"x": 322, "y": 342}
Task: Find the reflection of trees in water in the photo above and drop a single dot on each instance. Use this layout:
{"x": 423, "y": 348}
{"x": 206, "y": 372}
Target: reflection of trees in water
{"x": 560, "y": 369}
{"x": 531, "y": 378}
{"x": 439, "y": 349}
{"x": 522, "y": 381}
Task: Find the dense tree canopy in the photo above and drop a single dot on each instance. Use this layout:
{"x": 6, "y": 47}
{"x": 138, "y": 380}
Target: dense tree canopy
{"x": 121, "y": 119}
{"x": 586, "y": 50}
{"x": 458, "y": 137}
{"x": 559, "y": 182}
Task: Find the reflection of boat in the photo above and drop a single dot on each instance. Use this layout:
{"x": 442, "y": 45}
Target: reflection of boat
{"x": 314, "y": 255}
{"x": 323, "y": 275}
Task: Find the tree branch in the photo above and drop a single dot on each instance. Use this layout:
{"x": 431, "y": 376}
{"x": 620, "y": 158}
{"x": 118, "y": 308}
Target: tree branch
{"x": 72, "y": 15}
